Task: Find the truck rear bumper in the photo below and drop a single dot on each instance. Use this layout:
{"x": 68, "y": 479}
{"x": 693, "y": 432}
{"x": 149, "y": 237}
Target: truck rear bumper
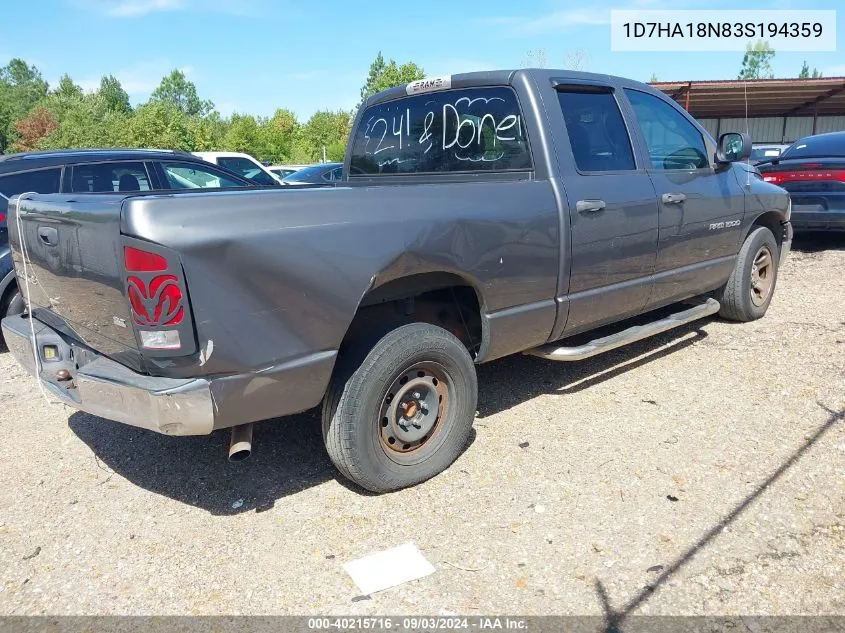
{"x": 173, "y": 406}
{"x": 105, "y": 388}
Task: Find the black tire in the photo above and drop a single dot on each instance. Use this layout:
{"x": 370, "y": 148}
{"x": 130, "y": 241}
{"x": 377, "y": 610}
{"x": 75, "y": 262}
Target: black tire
{"x": 12, "y": 303}
{"x": 357, "y": 439}
{"x": 742, "y": 298}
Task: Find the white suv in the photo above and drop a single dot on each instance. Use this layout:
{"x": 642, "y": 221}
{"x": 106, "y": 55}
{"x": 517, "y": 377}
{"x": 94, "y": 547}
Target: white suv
{"x": 242, "y": 164}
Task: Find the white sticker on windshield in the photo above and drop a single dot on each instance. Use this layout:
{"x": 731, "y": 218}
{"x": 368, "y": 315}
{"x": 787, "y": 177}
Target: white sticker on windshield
{"x": 429, "y": 84}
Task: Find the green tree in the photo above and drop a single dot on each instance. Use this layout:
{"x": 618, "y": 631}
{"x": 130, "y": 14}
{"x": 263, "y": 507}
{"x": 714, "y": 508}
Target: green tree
{"x": 87, "y": 122}
{"x": 21, "y": 88}
{"x": 244, "y": 135}
{"x": 806, "y": 74}
{"x": 280, "y": 136}
{"x": 33, "y": 129}
{"x": 176, "y": 90}
{"x": 114, "y": 95}
{"x": 207, "y": 133}
{"x": 756, "y": 64}
{"x": 67, "y": 89}
{"x": 330, "y": 130}
{"x": 384, "y": 75}
{"x": 653, "y": 79}
{"x": 161, "y": 125}
{"x": 65, "y": 97}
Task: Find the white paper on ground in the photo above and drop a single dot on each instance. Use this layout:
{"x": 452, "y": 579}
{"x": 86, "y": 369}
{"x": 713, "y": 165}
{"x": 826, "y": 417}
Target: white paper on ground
{"x": 389, "y": 568}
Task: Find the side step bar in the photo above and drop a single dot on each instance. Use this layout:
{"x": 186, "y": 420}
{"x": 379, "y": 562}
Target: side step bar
{"x": 553, "y": 351}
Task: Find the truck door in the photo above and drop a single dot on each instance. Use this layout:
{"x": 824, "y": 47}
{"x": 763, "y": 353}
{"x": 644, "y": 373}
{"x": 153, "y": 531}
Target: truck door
{"x": 612, "y": 210}
{"x": 701, "y": 204}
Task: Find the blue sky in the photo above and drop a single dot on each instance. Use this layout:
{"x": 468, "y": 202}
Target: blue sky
{"x": 254, "y": 56}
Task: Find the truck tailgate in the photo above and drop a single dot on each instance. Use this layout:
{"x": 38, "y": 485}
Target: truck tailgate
{"x": 74, "y": 266}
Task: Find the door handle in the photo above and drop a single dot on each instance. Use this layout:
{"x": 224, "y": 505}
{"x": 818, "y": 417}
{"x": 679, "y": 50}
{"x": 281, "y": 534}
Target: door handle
{"x": 673, "y": 198}
{"x": 48, "y": 235}
{"x": 590, "y": 206}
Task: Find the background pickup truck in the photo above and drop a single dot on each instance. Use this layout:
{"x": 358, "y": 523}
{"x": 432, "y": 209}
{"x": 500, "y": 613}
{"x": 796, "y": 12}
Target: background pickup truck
{"x": 480, "y": 215}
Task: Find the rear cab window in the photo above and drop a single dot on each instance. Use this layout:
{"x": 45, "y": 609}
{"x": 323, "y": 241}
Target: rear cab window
{"x": 454, "y": 131}
{"x": 596, "y": 129}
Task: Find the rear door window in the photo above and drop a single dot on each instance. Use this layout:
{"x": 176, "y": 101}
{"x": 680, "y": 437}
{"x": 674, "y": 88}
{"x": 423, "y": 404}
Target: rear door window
{"x": 472, "y": 130}
{"x": 596, "y": 130}
{"x": 109, "y": 177}
{"x": 195, "y": 176}
{"x": 38, "y": 181}
{"x": 246, "y": 168}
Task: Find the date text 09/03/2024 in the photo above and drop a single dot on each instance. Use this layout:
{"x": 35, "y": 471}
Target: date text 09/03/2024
{"x": 418, "y": 623}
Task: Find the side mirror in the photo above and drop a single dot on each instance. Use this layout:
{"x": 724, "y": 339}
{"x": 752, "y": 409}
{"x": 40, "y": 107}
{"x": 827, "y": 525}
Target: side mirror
{"x": 733, "y": 146}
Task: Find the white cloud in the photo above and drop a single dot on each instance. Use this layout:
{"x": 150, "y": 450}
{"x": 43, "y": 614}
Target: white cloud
{"x": 136, "y": 8}
{"x": 140, "y": 8}
{"x": 549, "y": 22}
{"x": 132, "y": 8}
{"x": 567, "y": 19}
{"x": 456, "y": 66}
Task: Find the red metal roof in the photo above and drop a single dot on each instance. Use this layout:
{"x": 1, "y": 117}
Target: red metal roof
{"x": 765, "y": 97}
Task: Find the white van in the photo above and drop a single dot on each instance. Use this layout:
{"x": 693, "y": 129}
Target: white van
{"x": 242, "y": 164}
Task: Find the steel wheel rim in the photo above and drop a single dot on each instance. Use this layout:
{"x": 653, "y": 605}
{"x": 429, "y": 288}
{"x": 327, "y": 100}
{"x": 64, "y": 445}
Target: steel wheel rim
{"x": 413, "y": 409}
{"x": 762, "y": 276}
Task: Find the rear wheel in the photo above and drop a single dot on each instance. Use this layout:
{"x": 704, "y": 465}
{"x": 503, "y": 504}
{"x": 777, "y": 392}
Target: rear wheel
{"x": 750, "y": 288}
{"x": 12, "y": 303}
{"x": 401, "y": 412}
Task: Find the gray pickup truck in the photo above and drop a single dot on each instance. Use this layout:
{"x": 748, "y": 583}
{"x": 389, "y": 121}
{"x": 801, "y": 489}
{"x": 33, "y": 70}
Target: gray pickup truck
{"x": 479, "y": 215}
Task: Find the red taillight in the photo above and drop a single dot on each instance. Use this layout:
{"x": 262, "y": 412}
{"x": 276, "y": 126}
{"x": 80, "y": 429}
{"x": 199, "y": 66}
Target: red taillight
{"x": 157, "y": 303}
{"x": 2, "y": 217}
{"x": 779, "y": 177}
{"x": 156, "y": 298}
{"x": 140, "y": 261}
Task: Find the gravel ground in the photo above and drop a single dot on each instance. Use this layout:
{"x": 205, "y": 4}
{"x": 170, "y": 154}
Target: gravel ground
{"x": 700, "y": 472}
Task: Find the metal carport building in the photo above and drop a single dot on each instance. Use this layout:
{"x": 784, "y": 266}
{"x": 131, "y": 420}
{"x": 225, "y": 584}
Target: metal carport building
{"x": 777, "y": 110}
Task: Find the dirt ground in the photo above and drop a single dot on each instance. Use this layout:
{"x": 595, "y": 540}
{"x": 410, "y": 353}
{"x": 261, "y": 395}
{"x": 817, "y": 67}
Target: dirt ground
{"x": 699, "y": 472}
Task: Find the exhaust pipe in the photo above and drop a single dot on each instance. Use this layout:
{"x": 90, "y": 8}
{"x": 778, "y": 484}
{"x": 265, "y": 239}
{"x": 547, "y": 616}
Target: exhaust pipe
{"x": 240, "y": 446}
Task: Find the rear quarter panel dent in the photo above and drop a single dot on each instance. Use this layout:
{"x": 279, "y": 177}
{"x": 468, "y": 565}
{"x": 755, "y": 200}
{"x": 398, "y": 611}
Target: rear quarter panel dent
{"x": 279, "y": 275}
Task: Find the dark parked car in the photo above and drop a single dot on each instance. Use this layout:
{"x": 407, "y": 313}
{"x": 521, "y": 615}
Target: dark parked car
{"x": 100, "y": 170}
{"x": 322, "y": 174}
{"x": 478, "y": 215}
{"x": 812, "y": 170}
{"x": 765, "y": 153}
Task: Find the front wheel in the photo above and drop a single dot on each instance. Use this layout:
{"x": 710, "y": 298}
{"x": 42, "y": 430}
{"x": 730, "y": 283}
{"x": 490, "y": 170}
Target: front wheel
{"x": 750, "y": 288}
{"x": 404, "y": 412}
